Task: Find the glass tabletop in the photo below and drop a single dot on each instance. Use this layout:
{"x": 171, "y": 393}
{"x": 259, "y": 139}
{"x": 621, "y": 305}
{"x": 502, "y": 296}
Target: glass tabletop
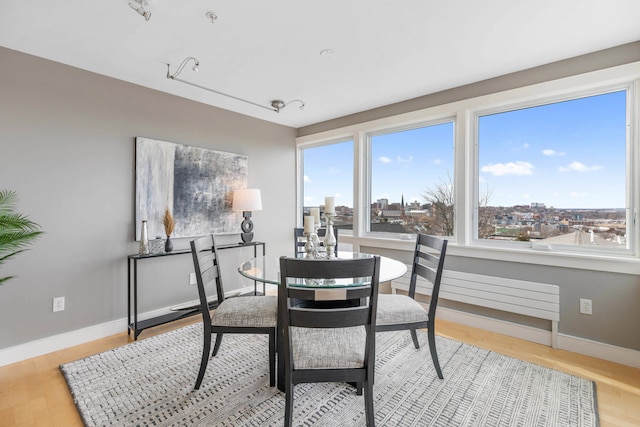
{"x": 267, "y": 269}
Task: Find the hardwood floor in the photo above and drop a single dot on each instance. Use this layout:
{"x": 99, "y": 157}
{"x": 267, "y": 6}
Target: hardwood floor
{"x": 34, "y": 392}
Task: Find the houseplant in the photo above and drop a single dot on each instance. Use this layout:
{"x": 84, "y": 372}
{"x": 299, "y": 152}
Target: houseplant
{"x": 17, "y": 231}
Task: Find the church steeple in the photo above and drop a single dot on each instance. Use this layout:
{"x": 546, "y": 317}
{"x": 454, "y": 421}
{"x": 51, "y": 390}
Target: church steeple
{"x": 402, "y": 202}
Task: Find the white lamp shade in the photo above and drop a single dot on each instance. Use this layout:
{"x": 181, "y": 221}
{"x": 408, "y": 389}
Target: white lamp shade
{"x": 247, "y": 199}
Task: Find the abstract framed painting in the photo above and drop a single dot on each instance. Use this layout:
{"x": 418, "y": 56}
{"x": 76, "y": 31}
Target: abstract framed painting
{"x": 195, "y": 184}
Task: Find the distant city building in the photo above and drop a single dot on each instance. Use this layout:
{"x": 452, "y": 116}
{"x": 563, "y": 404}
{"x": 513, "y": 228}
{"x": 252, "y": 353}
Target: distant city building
{"x": 382, "y": 203}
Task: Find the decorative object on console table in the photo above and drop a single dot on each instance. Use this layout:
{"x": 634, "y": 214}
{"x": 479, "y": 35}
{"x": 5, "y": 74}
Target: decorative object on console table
{"x": 247, "y": 200}
{"x": 169, "y": 225}
{"x": 144, "y": 239}
{"x": 156, "y": 246}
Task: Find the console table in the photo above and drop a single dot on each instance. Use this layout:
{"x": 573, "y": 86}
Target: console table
{"x": 132, "y": 309}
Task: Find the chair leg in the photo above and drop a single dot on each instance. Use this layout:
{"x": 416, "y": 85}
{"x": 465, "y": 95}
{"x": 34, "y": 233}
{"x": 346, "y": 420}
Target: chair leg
{"x": 216, "y": 347}
{"x": 414, "y": 337}
{"x": 204, "y": 361}
{"x": 288, "y": 405}
{"x": 434, "y": 352}
{"x": 368, "y": 404}
{"x": 272, "y": 358}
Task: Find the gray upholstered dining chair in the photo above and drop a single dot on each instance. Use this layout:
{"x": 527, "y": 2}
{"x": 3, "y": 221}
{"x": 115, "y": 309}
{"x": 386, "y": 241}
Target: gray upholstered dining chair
{"x": 331, "y": 344}
{"x": 238, "y": 315}
{"x": 299, "y": 240}
{"x": 403, "y": 312}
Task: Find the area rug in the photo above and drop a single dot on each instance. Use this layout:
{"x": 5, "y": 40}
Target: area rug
{"x": 150, "y": 383}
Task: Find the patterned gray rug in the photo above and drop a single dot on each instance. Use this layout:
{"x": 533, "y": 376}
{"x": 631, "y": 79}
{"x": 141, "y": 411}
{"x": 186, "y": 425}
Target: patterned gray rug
{"x": 150, "y": 383}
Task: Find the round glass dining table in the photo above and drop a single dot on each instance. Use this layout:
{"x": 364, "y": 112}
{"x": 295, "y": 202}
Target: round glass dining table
{"x": 266, "y": 269}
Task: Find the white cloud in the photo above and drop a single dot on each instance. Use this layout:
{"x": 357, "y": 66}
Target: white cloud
{"x": 437, "y": 161}
{"x": 404, "y": 159}
{"x": 550, "y": 152}
{"x": 384, "y": 159}
{"x": 526, "y": 196}
{"x": 307, "y": 179}
{"x": 578, "y": 167}
{"x": 511, "y": 168}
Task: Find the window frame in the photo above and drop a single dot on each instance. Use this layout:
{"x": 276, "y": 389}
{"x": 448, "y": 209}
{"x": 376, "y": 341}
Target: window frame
{"x": 300, "y": 147}
{"x": 368, "y": 169}
{"x": 531, "y": 102}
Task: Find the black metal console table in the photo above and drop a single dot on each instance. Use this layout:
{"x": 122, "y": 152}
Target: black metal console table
{"x": 138, "y": 326}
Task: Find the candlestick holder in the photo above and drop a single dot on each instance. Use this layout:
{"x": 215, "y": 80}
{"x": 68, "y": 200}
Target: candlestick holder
{"x": 329, "y": 237}
{"x": 309, "y": 246}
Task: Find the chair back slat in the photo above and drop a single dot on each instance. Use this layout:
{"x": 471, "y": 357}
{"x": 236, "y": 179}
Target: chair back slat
{"x": 334, "y": 318}
{"x": 328, "y": 294}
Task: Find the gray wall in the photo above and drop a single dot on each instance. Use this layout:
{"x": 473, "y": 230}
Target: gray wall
{"x": 616, "y": 297}
{"x": 67, "y": 148}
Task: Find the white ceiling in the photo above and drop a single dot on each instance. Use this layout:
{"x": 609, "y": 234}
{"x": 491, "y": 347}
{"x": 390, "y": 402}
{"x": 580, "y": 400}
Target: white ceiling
{"x": 383, "y": 51}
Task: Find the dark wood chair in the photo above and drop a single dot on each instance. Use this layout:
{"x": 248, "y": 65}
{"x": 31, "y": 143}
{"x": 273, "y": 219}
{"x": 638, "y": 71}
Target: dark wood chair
{"x": 238, "y": 315}
{"x": 299, "y": 240}
{"x": 401, "y": 312}
{"x": 329, "y": 344}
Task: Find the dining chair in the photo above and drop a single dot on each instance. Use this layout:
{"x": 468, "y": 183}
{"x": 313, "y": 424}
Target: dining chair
{"x": 299, "y": 240}
{"x": 329, "y": 344}
{"x": 401, "y": 312}
{"x": 237, "y": 315}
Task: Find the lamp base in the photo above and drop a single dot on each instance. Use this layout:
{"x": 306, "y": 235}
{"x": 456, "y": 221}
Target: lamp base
{"x": 247, "y": 227}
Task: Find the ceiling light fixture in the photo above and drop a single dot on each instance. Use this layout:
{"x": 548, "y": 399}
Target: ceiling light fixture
{"x": 212, "y": 16}
{"x": 139, "y": 6}
{"x": 276, "y": 105}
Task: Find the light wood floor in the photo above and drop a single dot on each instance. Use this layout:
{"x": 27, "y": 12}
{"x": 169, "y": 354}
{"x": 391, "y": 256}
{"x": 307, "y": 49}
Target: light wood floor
{"x": 34, "y": 392}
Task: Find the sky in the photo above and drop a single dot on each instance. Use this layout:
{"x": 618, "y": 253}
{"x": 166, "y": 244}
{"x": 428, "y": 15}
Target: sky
{"x": 567, "y": 155}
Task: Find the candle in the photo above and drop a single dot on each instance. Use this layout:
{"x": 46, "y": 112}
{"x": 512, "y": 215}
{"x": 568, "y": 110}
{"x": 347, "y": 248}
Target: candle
{"x": 308, "y": 224}
{"x": 329, "y": 205}
{"x": 315, "y": 213}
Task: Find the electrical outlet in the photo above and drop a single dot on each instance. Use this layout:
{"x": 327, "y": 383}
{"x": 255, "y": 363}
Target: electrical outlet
{"x": 585, "y": 306}
{"x": 192, "y": 279}
{"x": 58, "y": 304}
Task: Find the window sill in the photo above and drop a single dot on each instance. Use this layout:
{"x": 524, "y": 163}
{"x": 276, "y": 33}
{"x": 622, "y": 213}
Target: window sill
{"x": 597, "y": 262}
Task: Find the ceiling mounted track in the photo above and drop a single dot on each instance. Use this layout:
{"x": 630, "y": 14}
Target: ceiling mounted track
{"x": 276, "y": 105}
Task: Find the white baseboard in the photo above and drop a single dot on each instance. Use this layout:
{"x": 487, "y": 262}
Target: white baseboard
{"x": 611, "y": 353}
{"x": 599, "y": 350}
{"x": 58, "y": 342}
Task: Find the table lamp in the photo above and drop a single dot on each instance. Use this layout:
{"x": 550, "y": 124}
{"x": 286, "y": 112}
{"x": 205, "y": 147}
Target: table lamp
{"x": 247, "y": 200}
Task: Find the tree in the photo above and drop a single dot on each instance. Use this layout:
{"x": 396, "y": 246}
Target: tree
{"x": 441, "y": 198}
{"x": 485, "y": 214}
{"x": 17, "y": 231}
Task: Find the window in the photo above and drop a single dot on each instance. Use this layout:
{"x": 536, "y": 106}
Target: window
{"x": 412, "y": 180}
{"x": 328, "y": 171}
{"x": 545, "y": 174}
{"x": 555, "y": 174}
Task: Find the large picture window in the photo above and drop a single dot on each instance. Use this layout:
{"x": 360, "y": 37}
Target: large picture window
{"x": 555, "y": 174}
{"x": 412, "y": 180}
{"x": 544, "y": 174}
